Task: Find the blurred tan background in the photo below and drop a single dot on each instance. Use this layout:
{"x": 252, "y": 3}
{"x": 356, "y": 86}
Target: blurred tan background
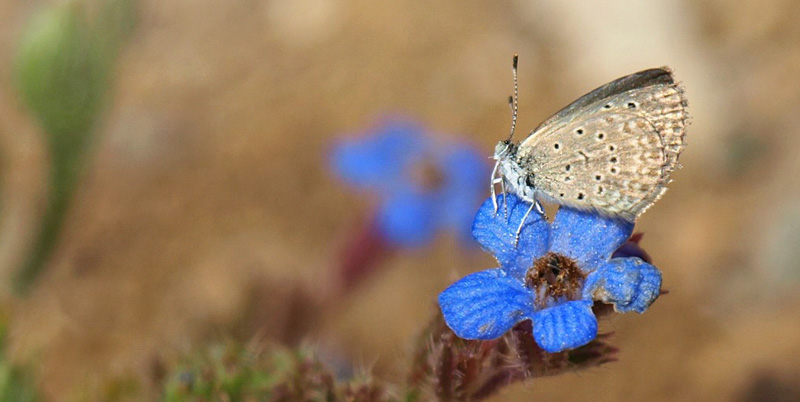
{"x": 208, "y": 190}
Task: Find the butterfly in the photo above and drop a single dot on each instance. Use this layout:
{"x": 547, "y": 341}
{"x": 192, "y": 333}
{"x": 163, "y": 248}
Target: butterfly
{"x": 611, "y": 151}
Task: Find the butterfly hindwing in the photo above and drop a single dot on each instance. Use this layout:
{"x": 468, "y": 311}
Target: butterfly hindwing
{"x": 617, "y": 169}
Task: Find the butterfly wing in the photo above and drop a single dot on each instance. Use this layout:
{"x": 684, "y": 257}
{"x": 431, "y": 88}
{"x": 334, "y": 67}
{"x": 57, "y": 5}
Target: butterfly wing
{"x": 620, "y": 141}
{"x": 651, "y": 94}
{"x": 613, "y": 163}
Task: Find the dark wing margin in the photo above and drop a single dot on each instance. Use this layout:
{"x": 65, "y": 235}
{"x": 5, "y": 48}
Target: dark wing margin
{"x": 642, "y": 79}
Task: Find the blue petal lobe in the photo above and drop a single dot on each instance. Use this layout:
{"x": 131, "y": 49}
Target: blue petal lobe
{"x": 464, "y": 168}
{"x": 495, "y": 232}
{"x": 485, "y": 305}
{"x": 359, "y": 167}
{"x": 565, "y": 326}
{"x": 378, "y": 160}
{"x": 629, "y": 283}
{"x": 407, "y": 219}
{"x": 465, "y": 171}
{"x": 587, "y": 237}
{"x": 457, "y": 213}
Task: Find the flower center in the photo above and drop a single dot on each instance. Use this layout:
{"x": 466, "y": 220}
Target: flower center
{"x": 427, "y": 175}
{"x": 554, "y": 276}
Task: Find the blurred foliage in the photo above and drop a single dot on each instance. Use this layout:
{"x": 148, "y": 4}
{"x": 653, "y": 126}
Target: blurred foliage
{"x": 17, "y": 383}
{"x": 444, "y": 368}
{"x": 233, "y": 373}
{"x": 62, "y": 72}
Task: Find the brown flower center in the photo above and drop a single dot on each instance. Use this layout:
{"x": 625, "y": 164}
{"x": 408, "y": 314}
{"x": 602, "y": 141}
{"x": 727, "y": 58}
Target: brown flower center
{"x": 427, "y": 175}
{"x": 554, "y": 276}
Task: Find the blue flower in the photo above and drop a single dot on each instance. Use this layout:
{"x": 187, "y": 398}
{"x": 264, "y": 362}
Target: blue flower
{"x": 551, "y": 277}
{"x": 423, "y": 185}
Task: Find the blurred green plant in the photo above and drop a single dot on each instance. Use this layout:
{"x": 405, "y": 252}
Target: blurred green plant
{"x": 444, "y": 368}
{"x": 17, "y": 383}
{"x": 231, "y": 372}
{"x": 62, "y": 72}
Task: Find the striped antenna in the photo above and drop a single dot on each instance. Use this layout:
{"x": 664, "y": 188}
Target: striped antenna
{"x": 513, "y": 101}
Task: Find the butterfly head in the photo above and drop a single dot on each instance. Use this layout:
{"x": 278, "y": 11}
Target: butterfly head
{"x": 504, "y": 149}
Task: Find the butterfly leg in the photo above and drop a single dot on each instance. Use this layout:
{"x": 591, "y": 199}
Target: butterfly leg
{"x": 494, "y": 193}
{"x": 495, "y": 180}
{"x": 505, "y": 201}
{"x": 539, "y": 209}
{"x": 521, "y": 224}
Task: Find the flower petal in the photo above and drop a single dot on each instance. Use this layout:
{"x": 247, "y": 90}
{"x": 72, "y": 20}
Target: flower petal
{"x": 631, "y": 248}
{"x": 565, "y": 326}
{"x": 587, "y": 237}
{"x": 495, "y": 232}
{"x": 457, "y": 212}
{"x": 379, "y": 160}
{"x": 485, "y": 305}
{"x": 629, "y": 283}
{"x": 465, "y": 171}
{"x": 463, "y": 167}
{"x": 407, "y": 218}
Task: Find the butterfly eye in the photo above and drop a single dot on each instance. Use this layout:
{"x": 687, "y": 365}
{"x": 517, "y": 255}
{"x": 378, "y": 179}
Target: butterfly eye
{"x": 502, "y": 148}
{"x": 529, "y": 180}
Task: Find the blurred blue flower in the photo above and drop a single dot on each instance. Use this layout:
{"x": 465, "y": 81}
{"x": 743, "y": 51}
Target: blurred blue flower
{"x": 423, "y": 184}
{"x": 551, "y": 277}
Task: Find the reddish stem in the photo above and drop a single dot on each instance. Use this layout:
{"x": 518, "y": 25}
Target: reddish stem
{"x": 361, "y": 255}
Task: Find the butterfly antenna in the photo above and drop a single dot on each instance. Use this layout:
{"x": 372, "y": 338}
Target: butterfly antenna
{"x": 513, "y": 101}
